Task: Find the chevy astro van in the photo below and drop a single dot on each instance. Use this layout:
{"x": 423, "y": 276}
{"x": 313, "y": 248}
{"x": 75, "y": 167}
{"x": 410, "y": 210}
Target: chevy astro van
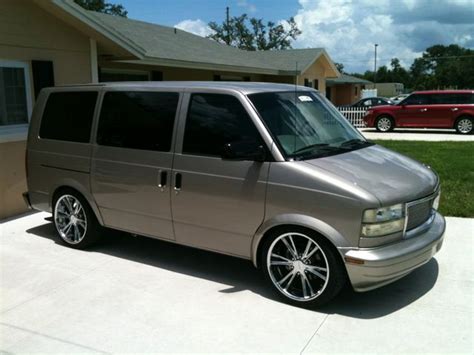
{"x": 272, "y": 173}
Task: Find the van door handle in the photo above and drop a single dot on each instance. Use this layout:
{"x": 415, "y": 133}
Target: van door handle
{"x": 163, "y": 178}
{"x": 423, "y": 110}
{"x": 454, "y": 109}
{"x": 177, "y": 182}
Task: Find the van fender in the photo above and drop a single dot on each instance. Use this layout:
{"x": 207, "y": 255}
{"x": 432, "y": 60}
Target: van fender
{"x": 71, "y": 183}
{"x": 321, "y": 227}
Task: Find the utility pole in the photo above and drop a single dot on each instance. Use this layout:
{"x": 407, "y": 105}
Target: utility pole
{"x": 227, "y": 22}
{"x": 375, "y": 67}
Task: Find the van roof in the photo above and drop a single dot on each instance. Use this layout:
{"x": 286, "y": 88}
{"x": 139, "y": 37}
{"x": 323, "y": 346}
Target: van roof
{"x": 243, "y": 87}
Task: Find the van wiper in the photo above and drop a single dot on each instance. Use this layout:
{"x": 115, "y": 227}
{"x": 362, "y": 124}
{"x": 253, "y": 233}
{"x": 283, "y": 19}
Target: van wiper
{"x": 310, "y": 147}
{"x": 355, "y": 142}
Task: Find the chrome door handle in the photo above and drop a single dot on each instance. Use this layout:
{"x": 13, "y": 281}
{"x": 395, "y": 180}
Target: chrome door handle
{"x": 163, "y": 177}
{"x": 177, "y": 182}
{"x": 454, "y": 109}
{"x": 423, "y": 110}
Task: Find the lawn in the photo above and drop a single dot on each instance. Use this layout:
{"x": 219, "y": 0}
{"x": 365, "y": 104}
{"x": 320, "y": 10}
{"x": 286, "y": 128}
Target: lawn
{"x": 454, "y": 162}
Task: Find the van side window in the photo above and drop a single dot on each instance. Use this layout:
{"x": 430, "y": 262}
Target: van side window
{"x": 214, "y": 120}
{"x": 417, "y": 99}
{"x": 138, "y": 120}
{"x": 68, "y": 116}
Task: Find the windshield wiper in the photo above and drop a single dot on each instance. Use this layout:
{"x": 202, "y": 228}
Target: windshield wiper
{"x": 355, "y": 142}
{"x": 310, "y": 147}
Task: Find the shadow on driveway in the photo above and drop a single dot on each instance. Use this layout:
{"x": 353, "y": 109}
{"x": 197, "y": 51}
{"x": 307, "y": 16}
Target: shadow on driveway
{"x": 243, "y": 276}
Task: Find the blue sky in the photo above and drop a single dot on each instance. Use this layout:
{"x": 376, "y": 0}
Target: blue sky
{"x": 347, "y": 29}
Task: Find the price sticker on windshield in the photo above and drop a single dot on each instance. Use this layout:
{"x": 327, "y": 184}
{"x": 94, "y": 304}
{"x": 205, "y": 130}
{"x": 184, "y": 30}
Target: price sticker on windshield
{"x": 305, "y": 98}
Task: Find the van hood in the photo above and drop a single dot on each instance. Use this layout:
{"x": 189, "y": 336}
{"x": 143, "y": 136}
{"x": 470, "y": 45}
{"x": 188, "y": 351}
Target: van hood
{"x": 389, "y": 176}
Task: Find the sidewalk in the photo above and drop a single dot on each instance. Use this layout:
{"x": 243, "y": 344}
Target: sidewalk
{"x": 414, "y": 134}
{"x": 133, "y": 294}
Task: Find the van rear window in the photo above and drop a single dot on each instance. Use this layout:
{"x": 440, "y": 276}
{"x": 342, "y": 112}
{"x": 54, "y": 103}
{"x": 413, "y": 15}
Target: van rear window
{"x": 68, "y": 116}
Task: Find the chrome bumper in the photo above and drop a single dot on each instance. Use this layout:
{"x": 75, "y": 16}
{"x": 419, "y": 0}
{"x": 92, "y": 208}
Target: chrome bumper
{"x": 375, "y": 267}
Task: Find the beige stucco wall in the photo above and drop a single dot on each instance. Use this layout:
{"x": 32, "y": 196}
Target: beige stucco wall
{"x": 12, "y": 178}
{"x": 317, "y": 71}
{"x": 29, "y": 33}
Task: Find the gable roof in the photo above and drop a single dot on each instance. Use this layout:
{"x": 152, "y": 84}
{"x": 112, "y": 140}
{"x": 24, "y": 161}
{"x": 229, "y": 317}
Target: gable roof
{"x": 347, "y": 79}
{"x": 161, "y": 45}
{"x": 168, "y": 43}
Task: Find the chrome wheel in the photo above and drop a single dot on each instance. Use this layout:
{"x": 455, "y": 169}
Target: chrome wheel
{"x": 298, "y": 267}
{"x": 464, "y": 126}
{"x": 70, "y": 219}
{"x": 384, "y": 124}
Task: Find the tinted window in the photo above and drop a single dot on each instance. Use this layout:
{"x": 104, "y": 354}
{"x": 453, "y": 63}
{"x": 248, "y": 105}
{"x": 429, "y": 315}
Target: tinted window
{"x": 453, "y": 99}
{"x": 214, "y": 120}
{"x": 416, "y": 99}
{"x": 138, "y": 120}
{"x": 68, "y": 116}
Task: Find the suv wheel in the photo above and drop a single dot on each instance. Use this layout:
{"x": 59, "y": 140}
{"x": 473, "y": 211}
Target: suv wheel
{"x": 74, "y": 220}
{"x": 384, "y": 124}
{"x": 464, "y": 125}
{"x": 302, "y": 267}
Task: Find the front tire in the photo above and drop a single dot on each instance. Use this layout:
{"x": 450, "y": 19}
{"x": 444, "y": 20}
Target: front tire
{"x": 302, "y": 267}
{"x": 384, "y": 124}
{"x": 464, "y": 125}
{"x": 74, "y": 220}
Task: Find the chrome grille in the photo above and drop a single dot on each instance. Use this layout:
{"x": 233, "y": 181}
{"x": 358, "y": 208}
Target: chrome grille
{"x": 418, "y": 212}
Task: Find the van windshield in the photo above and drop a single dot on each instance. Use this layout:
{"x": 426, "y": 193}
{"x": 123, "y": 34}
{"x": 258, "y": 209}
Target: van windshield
{"x": 305, "y": 125}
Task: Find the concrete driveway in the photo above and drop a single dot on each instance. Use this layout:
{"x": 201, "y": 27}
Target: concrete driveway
{"x": 133, "y": 294}
{"x": 416, "y": 134}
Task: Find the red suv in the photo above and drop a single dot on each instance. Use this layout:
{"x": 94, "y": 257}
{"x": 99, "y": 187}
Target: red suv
{"x": 426, "y": 109}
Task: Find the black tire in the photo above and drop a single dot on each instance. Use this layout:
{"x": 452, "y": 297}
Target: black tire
{"x": 336, "y": 275}
{"x": 464, "y": 125}
{"x": 384, "y": 124}
{"x": 90, "y": 234}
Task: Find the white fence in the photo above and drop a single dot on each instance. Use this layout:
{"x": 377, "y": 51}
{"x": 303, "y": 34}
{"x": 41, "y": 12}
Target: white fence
{"x": 355, "y": 115}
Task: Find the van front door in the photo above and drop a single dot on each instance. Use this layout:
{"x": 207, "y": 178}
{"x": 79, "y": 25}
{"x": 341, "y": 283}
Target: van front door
{"x": 217, "y": 204}
{"x": 131, "y": 164}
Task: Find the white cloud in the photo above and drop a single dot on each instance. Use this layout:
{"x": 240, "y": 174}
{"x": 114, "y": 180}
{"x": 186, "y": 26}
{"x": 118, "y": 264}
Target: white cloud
{"x": 247, "y": 6}
{"x": 349, "y": 29}
{"x": 198, "y": 27}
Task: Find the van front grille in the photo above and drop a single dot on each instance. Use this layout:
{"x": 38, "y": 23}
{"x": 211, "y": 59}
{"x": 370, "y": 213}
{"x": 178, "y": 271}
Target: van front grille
{"x": 418, "y": 212}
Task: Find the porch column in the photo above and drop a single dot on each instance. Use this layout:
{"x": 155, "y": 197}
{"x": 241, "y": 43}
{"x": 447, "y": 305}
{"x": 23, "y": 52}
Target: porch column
{"x": 93, "y": 60}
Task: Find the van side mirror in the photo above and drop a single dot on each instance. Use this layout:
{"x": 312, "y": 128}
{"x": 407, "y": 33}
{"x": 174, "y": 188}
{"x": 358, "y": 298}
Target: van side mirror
{"x": 244, "y": 150}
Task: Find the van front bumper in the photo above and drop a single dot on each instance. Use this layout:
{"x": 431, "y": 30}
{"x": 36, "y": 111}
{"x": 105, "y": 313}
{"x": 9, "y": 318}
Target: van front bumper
{"x": 375, "y": 267}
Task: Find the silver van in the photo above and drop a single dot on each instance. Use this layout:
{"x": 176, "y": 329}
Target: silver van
{"x": 272, "y": 173}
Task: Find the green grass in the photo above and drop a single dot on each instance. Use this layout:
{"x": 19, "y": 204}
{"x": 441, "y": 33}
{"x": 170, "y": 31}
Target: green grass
{"x": 454, "y": 162}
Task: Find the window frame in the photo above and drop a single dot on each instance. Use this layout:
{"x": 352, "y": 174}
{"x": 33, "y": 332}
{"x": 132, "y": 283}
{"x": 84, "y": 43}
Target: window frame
{"x": 177, "y": 118}
{"x": 18, "y": 132}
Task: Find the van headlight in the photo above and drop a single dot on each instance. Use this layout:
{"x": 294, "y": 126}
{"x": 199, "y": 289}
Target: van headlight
{"x": 382, "y": 221}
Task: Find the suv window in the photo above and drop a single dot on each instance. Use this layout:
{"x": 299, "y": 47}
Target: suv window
{"x": 138, "y": 120}
{"x": 214, "y": 120}
{"x": 68, "y": 116}
{"x": 417, "y": 99}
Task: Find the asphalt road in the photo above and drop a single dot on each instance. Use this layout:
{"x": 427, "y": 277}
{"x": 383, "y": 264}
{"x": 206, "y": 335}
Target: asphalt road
{"x": 133, "y": 294}
{"x": 418, "y": 134}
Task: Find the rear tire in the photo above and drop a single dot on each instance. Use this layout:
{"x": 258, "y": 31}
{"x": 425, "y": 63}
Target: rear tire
{"x": 384, "y": 124}
{"x": 75, "y": 222}
{"x": 464, "y": 125}
{"x": 302, "y": 267}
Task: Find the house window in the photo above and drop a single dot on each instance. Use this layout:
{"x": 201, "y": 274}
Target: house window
{"x": 15, "y": 98}
{"x": 307, "y": 82}
{"x": 316, "y": 84}
{"x": 356, "y": 90}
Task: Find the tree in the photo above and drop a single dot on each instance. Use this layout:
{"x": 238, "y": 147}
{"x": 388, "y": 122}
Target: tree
{"x": 340, "y": 67}
{"x": 102, "y": 6}
{"x": 253, "y": 34}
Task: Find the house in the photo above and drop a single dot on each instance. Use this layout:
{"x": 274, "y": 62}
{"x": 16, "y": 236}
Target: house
{"x": 387, "y": 89}
{"x": 345, "y": 89}
{"x": 56, "y": 42}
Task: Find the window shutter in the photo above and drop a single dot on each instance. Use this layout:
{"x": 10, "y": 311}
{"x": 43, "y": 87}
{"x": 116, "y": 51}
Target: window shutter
{"x": 43, "y": 74}
{"x": 156, "y": 75}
